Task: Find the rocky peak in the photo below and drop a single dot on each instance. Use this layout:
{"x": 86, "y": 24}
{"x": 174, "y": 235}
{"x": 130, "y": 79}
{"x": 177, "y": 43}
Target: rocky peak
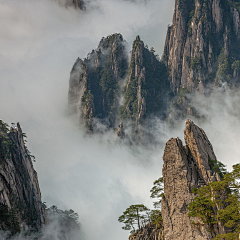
{"x": 202, "y": 44}
{"x": 146, "y": 90}
{"x": 94, "y": 85}
{"x": 185, "y": 168}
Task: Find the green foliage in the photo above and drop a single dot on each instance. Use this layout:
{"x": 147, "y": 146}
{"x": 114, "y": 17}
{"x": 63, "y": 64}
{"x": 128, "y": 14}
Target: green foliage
{"x": 134, "y": 215}
{"x": 196, "y": 63}
{"x": 219, "y": 202}
{"x": 191, "y": 16}
{"x": 8, "y": 219}
{"x": 235, "y": 4}
{"x": 156, "y": 217}
{"x": 5, "y": 142}
{"x": 236, "y": 65}
{"x": 157, "y": 192}
{"x": 4, "y": 127}
{"x": 203, "y": 207}
{"x": 153, "y": 81}
{"x": 224, "y": 66}
{"x": 102, "y": 81}
{"x": 217, "y": 166}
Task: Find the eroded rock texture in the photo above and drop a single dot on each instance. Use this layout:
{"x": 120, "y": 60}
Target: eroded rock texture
{"x": 202, "y": 44}
{"x": 20, "y": 197}
{"x": 186, "y": 167}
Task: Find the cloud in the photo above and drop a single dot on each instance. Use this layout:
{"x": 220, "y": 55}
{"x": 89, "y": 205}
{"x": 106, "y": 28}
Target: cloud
{"x": 40, "y": 41}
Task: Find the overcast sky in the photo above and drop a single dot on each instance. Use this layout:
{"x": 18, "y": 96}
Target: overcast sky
{"x": 39, "y": 42}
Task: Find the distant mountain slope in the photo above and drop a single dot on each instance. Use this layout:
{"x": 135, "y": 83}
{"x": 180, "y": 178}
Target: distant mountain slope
{"x": 107, "y": 88}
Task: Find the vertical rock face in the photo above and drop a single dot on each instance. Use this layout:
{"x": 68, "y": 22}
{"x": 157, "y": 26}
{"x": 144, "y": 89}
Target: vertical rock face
{"x": 202, "y": 45}
{"x": 147, "y": 85}
{"x": 95, "y": 82}
{"x": 19, "y": 188}
{"x": 186, "y": 167}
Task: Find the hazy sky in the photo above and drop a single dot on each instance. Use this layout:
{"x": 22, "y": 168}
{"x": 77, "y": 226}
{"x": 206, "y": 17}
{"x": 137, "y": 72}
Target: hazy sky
{"x": 39, "y": 42}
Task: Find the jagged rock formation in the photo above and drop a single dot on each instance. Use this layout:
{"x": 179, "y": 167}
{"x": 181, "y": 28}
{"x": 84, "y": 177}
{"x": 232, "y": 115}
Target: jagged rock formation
{"x": 95, "y": 82}
{"x": 20, "y": 196}
{"x": 202, "y": 44}
{"x": 186, "y": 167}
{"x": 147, "y": 86}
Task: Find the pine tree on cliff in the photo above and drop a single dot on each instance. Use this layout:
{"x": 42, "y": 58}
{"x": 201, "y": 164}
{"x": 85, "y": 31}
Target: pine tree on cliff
{"x": 134, "y": 215}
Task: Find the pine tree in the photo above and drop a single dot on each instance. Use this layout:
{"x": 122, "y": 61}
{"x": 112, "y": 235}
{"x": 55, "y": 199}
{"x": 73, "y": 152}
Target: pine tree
{"x": 134, "y": 215}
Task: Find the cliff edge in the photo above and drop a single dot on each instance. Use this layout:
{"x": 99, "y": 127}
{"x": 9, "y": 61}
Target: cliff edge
{"x": 21, "y": 207}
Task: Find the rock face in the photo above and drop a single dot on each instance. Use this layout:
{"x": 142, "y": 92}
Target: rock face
{"x": 20, "y": 196}
{"x": 202, "y": 44}
{"x": 147, "y": 86}
{"x": 149, "y": 232}
{"x": 95, "y": 82}
{"x": 101, "y": 91}
{"x": 186, "y": 167}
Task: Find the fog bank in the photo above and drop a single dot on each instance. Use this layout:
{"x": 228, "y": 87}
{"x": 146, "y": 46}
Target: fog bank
{"x": 40, "y": 41}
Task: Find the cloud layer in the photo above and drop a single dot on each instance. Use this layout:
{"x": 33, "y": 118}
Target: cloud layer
{"x": 40, "y": 41}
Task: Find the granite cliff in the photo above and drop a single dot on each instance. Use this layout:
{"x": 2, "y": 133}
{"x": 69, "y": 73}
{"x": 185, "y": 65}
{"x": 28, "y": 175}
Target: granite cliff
{"x": 201, "y": 50}
{"x": 202, "y": 44}
{"x": 21, "y": 207}
{"x": 147, "y": 87}
{"x": 185, "y": 168}
{"x": 106, "y": 88}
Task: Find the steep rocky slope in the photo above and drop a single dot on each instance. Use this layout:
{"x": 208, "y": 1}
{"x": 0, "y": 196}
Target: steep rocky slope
{"x": 185, "y": 168}
{"x": 147, "y": 86}
{"x": 105, "y": 88}
{"x": 20, "y": 197}
{"x": 202, "y": 44}
{"x": 95, "y": 82}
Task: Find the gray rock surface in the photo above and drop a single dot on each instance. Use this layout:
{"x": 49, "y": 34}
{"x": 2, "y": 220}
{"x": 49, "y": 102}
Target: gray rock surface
{"x": 19, "y": 188}
{"x": 202, "y": 44}
{"x": 95, "y": 82}
{"x": 185, "y": 168}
